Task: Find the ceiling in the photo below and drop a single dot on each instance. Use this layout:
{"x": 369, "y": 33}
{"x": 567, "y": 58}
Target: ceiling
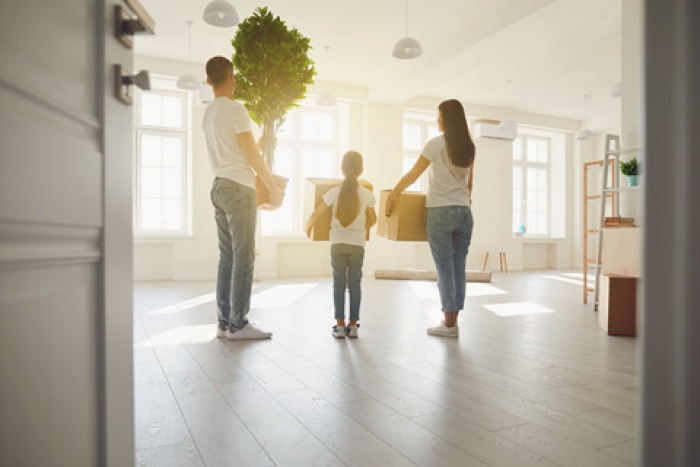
{"x": 553, "y": 51}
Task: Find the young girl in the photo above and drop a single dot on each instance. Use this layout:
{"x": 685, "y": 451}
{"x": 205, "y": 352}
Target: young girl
{"x": 449, "y": 220}
{"x": 353, "y": 211}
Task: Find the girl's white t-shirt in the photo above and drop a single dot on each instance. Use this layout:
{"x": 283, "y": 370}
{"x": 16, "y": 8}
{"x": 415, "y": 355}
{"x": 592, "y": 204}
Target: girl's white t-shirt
{"x": 223, "y": 120}
{"x": 354, "y": 233}
{"x": 447, "y": 183}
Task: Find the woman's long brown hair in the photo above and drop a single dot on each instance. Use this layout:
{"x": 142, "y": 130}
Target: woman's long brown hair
{"x": 460, "y": 147}
{"x": 348, "y": 207}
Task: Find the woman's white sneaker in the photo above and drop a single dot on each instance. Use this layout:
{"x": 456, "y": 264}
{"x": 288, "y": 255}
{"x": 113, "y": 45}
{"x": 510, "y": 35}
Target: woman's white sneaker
{"x": 443, "y": 331}
{"x": 338, "y": 331}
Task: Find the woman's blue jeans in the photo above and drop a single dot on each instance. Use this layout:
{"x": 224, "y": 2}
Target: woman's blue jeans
{"x": 346, "y": 261}
{"x": 235, "y": 214}
{"x": 449, "y": 235}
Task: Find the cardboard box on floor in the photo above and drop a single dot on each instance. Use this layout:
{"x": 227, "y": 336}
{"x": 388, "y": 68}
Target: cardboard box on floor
{"x": 314, "y": 189}
{"x": 622, "y": 251}
{"x": 617, "y": 305}
{"x": 262, "y": 195}
{"x": 407, "y": 220}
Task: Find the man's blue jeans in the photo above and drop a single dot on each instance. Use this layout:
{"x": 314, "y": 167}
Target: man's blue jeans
{"x": 235, "y": 214}
{"x": 449, "y": 235}
{"x": 346, "y": 261}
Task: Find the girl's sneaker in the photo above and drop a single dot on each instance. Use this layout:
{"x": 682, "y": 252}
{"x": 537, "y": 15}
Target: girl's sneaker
{"x": 339, "y": 331}
{"x": 351, "y": 331}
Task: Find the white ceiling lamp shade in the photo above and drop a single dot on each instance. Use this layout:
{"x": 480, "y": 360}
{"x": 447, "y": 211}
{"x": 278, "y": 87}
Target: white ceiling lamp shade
{"x": 585, "y": 133}
{"x": 220, "y": 13}
{"x": 188, "y": 81}
{"x": 408, "y": 47}
{"x": 326, "y": 99}
{"x": 616, "y": 90}
{"x": 508, "y": 124}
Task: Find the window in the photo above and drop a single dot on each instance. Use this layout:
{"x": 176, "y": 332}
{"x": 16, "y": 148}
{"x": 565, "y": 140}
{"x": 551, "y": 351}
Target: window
{"x": 531, "y": 186}
{"x": 540, "y": 180}
{"x": 418, "y": 128}
{"x": 161, "y": 186}
{"x": 308, "y": 146}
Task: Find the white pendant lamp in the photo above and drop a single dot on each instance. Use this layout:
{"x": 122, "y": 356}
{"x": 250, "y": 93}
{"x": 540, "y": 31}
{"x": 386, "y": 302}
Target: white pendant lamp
{"x": 585, "y": 133}
{"x": 508, "y": 124}
{"x": 408, "y": 47}
{"x": 326, "y": 99}
{"x": 220, "y": 13}
{"x": 188, "y": 81}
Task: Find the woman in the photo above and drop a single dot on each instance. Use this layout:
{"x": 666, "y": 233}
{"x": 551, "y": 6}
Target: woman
{"x": 449, "y": 222}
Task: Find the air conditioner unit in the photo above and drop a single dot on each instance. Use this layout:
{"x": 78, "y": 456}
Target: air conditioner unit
{"x": 491, "y": 129}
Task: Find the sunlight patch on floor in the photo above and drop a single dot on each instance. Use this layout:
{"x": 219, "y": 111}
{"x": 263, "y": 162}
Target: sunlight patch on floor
{"x": 429, "y": 291}
{"x": 517, "y": 309}
{"x": 280, "y": 295}
{"x": 569, "y": 281}
{"x": 184, "y": 305}
{"x": 424, "y": 290}
{"x": 579, "y": 275}
{"x": 180, "y": 335}
{"x": 483, "y": 290}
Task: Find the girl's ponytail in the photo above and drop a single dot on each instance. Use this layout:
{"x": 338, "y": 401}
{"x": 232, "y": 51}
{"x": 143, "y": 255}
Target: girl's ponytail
{"x": 348, "y": 207}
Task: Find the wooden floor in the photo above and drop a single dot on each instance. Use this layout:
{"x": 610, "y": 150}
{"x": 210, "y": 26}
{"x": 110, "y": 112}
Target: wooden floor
{"x": 531, "y": 381}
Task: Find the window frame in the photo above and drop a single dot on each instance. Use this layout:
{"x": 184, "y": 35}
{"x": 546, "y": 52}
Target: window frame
{"x": 164, "y": 85}
{"x": 524, "y": 165}
{"x": 296, "y": 144}
{"x": 426, "y": 121}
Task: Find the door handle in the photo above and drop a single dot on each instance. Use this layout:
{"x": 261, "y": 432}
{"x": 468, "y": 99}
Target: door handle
{"x": 135, "y": 20}
{"x": 123, "y": 79}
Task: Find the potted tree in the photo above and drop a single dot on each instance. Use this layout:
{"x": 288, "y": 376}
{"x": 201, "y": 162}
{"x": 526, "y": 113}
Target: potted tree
{"x": 630, "y": 169}
{"x": 272, "y": 72}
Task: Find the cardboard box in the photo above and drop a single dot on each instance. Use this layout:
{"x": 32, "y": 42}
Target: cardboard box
{"x": 314, "y": 189}
{"x": 262, "y": 195}
{"x": 622, "y": 251}
{"x": 617, "y": 305}
{"x": 407, "y": 220}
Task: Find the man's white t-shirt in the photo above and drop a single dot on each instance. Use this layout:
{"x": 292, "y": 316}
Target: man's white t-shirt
{"x": 447, "y": 183}
{"x": 354, "y": 233}
{"x": 223, "y": 120}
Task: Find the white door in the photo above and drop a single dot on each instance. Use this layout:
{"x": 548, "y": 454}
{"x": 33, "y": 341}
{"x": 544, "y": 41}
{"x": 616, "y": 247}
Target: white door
{"x": 66, "y": 384}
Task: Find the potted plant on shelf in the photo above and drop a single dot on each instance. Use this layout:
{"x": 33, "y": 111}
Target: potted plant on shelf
{"x": 272, "y": 72}
{"x": 630, "y": 169}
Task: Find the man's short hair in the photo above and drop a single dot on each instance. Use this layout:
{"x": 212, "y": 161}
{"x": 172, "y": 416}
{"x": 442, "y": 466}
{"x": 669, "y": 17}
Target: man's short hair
{"x": 219, "y": 69}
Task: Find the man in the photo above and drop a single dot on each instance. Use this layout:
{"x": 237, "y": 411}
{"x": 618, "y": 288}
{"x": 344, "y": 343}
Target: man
{"x": 235, "y": 161}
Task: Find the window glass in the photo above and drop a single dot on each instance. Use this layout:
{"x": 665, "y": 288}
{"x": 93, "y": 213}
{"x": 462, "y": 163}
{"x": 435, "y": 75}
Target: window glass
{"x": 161, "y": 141}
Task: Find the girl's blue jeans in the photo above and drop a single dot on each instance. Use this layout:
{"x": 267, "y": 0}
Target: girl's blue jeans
{"x": 346, "y": 261}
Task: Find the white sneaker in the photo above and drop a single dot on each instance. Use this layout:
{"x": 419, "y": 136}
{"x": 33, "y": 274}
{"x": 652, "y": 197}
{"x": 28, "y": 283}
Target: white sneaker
{"x": 443, "y": 331}
{"x": 351, "y": 331}
{"x": 221, "y": 331}
{"x": 249, "y": 332}
{"x": 338, "y": 331}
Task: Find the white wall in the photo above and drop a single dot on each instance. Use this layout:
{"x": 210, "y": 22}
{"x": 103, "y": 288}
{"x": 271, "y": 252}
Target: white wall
{"x": 376, "y": 131}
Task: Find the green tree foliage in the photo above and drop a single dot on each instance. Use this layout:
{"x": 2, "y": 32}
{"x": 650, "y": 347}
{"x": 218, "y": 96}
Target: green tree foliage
{"x": 272, "y": 70}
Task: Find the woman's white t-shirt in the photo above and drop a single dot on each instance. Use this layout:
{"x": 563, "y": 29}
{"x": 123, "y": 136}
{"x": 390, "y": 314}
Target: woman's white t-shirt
{"x": 354, "y": 233}
{"x": 447, "y": 183}
{"x": 223, "y": 120}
